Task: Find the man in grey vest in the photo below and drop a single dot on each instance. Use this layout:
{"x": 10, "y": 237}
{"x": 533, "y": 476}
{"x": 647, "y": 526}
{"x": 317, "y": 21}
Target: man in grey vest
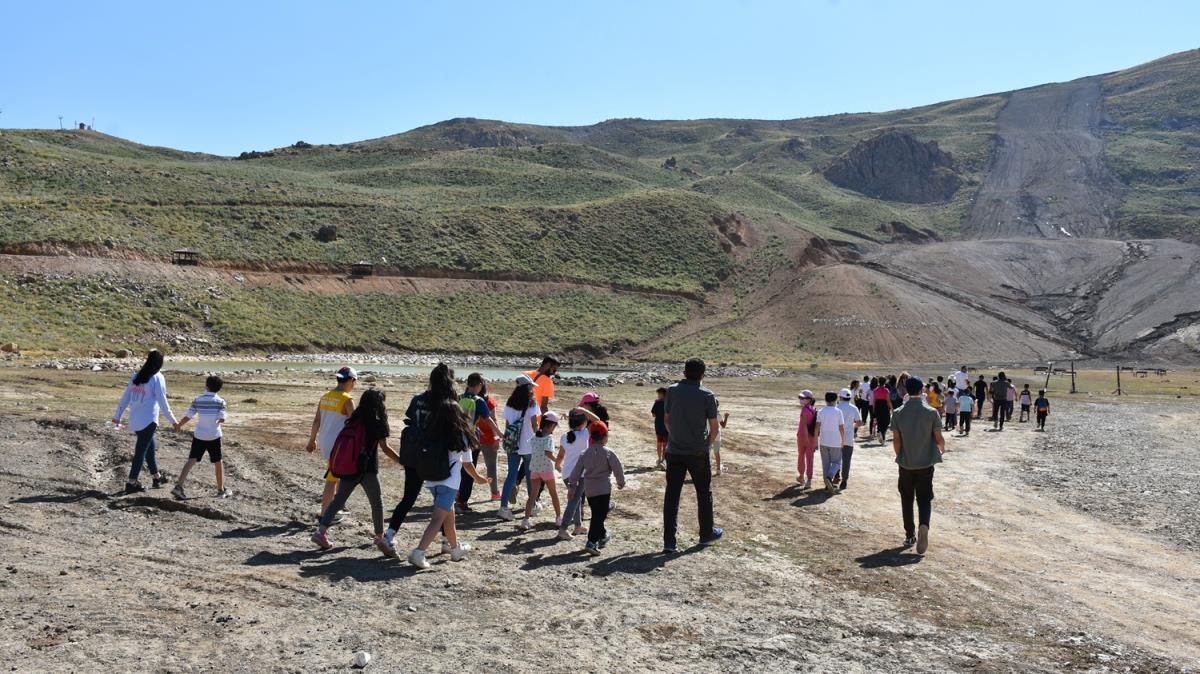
{"x": 692, "y": 426}
{"x": 918, "y": 443}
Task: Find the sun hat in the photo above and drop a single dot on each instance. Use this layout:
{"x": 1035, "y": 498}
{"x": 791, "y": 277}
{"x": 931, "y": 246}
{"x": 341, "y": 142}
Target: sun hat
{"x": 552, "y": 417}
{"x": 524, "y": 380}
{"x": 589, "y": 397}
{"x": 844, "y": 394}
{"x": 807, "y": 394}
{"x": 346, "y": 373}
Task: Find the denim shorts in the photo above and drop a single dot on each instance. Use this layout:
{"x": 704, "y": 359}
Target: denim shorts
{"x": 443, "y": 497}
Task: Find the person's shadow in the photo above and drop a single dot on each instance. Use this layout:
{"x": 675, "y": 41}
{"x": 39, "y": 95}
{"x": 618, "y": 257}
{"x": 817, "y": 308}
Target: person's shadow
{"x": 646, "y": 562}
{"x": 805, "y": 499}
{"x": 291, "y": 528}
{"x": 891, "y": 557}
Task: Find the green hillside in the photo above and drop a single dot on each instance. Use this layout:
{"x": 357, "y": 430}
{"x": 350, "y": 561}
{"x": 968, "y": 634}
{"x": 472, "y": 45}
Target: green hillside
{"x": 629, "y": 203}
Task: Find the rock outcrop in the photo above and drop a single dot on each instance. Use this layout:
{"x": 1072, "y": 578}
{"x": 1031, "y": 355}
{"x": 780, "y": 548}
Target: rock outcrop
{"x": 896, "y": 166}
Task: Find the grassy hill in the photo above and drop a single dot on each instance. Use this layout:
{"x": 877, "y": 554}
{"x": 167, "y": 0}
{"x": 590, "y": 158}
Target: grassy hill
{"x": 630, "y": 203}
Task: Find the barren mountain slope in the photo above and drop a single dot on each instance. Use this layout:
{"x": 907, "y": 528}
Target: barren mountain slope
{"x": 1047, "y": 177}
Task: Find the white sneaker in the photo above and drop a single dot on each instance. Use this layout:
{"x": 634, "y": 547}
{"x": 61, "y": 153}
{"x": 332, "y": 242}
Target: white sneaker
{"x": 460, "y": 553}
{"x": 447, "y": 550}
{"x": 580, "y": 530}
{"x": 526, "y": 524}
{"x": 225, "y": 493}
{"x": 537, "y": 508}
{"x": 807, "y": 484}
{"x": 564, "y": 535}
{"x": 417, "y": 558}
{"x": 505, "y": 514}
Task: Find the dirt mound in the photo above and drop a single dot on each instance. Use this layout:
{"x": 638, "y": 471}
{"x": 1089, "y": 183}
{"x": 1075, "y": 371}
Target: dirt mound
{"x": 896, "y": 166}
{"x": 1047, "y": 177}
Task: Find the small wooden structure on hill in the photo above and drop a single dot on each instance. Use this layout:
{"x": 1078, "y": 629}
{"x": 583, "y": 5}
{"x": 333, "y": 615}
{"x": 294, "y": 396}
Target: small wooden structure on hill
{"x": 186, "y": 257}
{"x": 362, "y": 268}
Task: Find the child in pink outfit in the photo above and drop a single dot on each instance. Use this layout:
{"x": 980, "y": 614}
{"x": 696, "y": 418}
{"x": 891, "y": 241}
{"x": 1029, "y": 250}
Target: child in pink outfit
{"x": 806, "y": 439}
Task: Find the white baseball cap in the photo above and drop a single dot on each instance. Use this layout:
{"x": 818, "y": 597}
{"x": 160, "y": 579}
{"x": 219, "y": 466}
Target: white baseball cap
{"x": 524, "y": 380}
{"x": 844, "y": 394}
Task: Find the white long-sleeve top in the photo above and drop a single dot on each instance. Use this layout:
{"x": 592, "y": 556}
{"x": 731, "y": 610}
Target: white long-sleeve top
{"x": 145, "y": 402}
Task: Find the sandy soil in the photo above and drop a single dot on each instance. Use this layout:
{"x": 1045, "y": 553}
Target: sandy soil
{"x": 1017, "y": 578}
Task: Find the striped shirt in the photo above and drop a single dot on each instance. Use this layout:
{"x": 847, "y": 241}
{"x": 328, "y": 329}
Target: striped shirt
{"x": 207, "y": 409}
{"x": 332, "y": 409}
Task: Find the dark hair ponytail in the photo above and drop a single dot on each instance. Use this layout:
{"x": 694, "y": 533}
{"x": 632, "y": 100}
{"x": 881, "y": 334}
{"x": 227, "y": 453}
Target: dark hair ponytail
{"x": 521, "y": 397}
{"x": 372, "y": 410}
{"x": 154, "y": 363}
{"x": 441, "y": 384}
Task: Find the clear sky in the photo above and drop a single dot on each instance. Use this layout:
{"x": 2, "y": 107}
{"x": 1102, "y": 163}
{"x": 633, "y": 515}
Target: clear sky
{"x": 224, "y": 77}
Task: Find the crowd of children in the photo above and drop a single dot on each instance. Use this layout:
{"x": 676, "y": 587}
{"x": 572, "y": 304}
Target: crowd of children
{"x": 445, "y": 435}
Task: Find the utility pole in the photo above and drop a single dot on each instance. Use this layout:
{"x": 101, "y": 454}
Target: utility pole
{"x": 1049, "y": 370}
{"x": 1118, "y": 380}
{"x": 1073, "y": 377}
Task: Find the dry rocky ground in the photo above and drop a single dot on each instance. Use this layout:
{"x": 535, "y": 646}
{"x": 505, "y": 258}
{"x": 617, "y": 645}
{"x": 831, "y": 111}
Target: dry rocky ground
{"x": 1019, "y": 577}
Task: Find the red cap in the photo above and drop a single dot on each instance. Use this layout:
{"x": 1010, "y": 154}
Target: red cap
{"x": 599, "y": 427}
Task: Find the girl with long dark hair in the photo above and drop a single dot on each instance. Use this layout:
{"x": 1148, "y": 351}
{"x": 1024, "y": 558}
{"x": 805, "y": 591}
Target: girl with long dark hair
{"x": 145, "y": 396}
{"x": 371, "y": 414}
{"x": 441, "y": 388}
{"x": 520, "y": 417}
{"x": 450, "y": 431}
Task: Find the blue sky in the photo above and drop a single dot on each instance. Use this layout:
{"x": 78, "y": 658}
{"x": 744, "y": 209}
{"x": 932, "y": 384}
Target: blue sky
{"x": 230, "y": 76}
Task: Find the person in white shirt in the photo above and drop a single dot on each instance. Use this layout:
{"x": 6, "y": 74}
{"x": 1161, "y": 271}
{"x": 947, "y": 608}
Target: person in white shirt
{"x": 864, "y": 401}
{"x": 146, "y": 397}
{"x": 852, "y": 419}
{"x": 209, "y": 412}
{"x": 961, "y": 379}
{"x": 831, "y": 431}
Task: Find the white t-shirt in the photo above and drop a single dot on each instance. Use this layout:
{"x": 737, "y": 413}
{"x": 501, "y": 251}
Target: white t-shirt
{"x": 456, "y": 463}
{"x": 830, "y": 420}
{"x": 207, "y": 409}
{"x": 961, "y": 380}
{"x": 850, "y": 414}
{"x": 512, "y": 416}
{"x": 573, "y": 450}
{"x": 864, "y": 392}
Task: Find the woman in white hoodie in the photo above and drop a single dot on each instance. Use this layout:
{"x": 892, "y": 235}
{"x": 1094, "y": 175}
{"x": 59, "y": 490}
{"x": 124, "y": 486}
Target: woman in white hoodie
{"x": 145, "y": 396}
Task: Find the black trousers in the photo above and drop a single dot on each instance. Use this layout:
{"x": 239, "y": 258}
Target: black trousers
{"x": 698, "y": 468}
{"x": 467, "y": 484}
{"x": 964, "y": 422}
{"x": 847, "y": 454}
{"x": 599, "y": 505}
{"x": 915, "y": 485}
{"x": 999, "y": 413}
{"x": 412, "y": 489}
{"x": 864, "y": 411}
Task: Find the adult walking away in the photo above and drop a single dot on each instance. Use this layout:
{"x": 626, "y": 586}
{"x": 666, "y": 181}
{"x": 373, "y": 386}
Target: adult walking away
{"x": 145, "y": 396}
{"x": 520, "y": 418}
{"x": 416, "y": 418}
{"x": 691, "y": 417}
{"x": 806, "y": 439}
{"x": 981, "y": 394}
{"x": 480, "y": 417}
{"x": 831, "y": 431}
{"x": 918, "y": 443}
{"x": 853, "y": 420}
{"x": 862, "y": 399}
{"x": 999, "y": 394}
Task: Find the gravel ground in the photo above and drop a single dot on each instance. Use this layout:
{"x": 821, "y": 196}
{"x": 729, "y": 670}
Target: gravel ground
{"x": 1132, "y": 463}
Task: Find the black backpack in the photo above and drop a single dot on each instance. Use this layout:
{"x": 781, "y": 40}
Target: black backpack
{"x": 413, "y": 435}
{"x": 433, "y": 460}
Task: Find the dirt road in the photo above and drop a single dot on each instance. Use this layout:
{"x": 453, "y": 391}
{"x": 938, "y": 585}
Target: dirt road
{"x": 1014, "y": 580}
{"x": 1047, "y": 174}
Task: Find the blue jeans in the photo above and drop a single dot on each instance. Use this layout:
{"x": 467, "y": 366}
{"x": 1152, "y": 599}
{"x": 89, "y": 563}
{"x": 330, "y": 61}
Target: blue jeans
{"x": 145, "y": 451}
{"x": 574, "y": 510}
{"x": 516, "y": 462}
{"x": 831, "y": 461}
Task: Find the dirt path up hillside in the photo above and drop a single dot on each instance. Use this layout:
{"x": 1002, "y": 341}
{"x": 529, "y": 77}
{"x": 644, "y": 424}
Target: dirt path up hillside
{"x": 1047, "y": 174}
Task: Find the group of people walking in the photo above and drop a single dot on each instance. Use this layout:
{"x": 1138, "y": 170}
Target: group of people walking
{"x": 445, "y": 433}
{"x": 917, "y": 412}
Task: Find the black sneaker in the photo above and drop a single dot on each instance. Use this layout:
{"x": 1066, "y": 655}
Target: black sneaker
{"x": 910, "y": 541}
{"x": 134, "y": 488}
{"x": 161, "y": 480}
{"x": 603, "y": 542}
{"x": 670, "y": 549}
